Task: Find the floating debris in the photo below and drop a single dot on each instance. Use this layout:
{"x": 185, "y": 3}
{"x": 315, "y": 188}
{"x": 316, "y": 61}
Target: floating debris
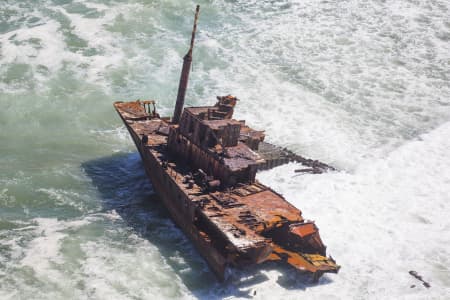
{"x": 417, "y": 276}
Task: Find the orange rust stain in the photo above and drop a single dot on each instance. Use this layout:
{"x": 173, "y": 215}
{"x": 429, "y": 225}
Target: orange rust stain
{"x": 271, "y": 207}
{"x": 304, "y": 229}
{"x": 310, "y": 262}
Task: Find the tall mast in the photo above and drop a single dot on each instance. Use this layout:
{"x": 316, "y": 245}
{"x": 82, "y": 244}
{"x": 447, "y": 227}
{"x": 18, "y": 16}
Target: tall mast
{"x": 187, "y": 60}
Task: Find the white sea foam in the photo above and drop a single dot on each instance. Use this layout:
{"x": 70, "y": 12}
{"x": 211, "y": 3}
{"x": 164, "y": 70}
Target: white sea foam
{"x": 112, "y": 272}
{"x": 44, "y": 249}
{"x": 93, "y": 31}
{"x": 49, "y": 44}
{"x": 44, "y": 48}
{"x": 348, "y": 81}
{"x": 385, "y": 219}
{"x": 43, "y": 252}
{"x": 64, "y": 197}
{"x": 117, "y": 138}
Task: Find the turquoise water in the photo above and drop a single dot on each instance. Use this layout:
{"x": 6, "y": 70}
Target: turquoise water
{"x": 362, "y": 85}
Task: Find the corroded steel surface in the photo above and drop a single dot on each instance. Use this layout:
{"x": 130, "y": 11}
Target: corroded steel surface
{"x": 203, "y": 163}
{"x": 231, "y": 225}
{"x": 187, "y": 60}
{"x": 275, "y": 156}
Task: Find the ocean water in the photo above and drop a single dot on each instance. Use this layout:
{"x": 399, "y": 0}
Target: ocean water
{"x": 361, "y": 85}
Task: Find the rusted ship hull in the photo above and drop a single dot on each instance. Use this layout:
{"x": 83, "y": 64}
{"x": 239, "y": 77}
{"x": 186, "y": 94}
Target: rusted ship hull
{"x": 203, "y": 165}
{"x": 250, "y": 230}
{"x": 167, "y": 190}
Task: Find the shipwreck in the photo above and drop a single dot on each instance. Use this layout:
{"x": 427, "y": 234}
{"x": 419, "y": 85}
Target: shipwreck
{"x": 202, "y": 164}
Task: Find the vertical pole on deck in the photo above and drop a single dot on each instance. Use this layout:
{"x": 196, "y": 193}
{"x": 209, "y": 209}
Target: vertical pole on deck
{"x": 187, "y": 60}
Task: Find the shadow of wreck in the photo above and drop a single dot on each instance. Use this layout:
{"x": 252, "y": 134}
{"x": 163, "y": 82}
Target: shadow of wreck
{"x": 124, "y": 187}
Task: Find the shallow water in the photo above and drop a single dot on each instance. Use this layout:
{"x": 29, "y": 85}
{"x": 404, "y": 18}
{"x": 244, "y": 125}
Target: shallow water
{"x": 362, "y": 85}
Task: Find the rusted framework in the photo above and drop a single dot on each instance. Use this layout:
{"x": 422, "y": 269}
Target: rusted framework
{"x": 208, "y": 138}
{"x": 202, "y": 164}
{"x": 207, "y": 181}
